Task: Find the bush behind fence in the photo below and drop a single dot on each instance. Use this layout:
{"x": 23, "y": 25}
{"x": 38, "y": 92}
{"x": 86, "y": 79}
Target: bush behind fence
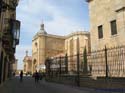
{"x": 108, "y": 62}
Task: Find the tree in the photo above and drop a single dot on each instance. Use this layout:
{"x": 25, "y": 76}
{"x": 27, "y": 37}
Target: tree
{"x": 85, "y": 69}
{"x": 66, "y": 63}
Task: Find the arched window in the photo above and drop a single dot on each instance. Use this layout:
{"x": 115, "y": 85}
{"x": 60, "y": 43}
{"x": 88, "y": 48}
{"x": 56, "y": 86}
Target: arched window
{"x": 35, "y": 44}
{"x": 34, "y": 62}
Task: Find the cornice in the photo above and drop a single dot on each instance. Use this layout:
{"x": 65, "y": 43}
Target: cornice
{"x": 89, "y": 1}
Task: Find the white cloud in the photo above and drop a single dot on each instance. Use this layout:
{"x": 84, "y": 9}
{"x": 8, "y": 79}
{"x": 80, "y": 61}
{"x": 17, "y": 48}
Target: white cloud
{"x": 62, "y": 26}
{"x": 60, "y": 23}
{"x": 31, "y": 13}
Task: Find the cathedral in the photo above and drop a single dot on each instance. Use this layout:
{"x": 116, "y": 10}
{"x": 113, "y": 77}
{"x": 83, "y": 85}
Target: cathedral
{"x": 27, "y": 64}
{"x": 46, "y": 45}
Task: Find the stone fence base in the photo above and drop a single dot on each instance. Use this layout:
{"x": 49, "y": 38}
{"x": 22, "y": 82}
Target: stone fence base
{"x": 89, "y": 82}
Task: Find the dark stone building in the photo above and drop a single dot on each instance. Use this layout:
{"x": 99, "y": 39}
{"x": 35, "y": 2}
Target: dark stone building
{"x": 9, "y": 37}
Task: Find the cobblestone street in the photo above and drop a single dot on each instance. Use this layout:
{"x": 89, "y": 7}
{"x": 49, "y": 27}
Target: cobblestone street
{"x": 28, "y": 86}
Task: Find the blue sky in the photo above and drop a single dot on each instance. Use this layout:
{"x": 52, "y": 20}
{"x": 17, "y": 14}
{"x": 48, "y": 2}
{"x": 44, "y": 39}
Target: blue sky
{"x": 61, "y": 17}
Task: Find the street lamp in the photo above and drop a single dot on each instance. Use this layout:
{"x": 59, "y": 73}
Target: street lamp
{"x": 15, "y": 24}
{"x": 4, "y": 6}
{"x": 12, "y": 28}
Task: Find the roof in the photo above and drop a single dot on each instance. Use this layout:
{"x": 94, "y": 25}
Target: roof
{"x": 59, "y": 55}
{"x": 48, "y": 35}
{"x": 89, "y": 0}
{"x": 78, "y": 33}
{"x": 27, "y": 58}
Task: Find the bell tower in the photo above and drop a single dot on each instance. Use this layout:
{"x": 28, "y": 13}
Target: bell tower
{"x": 39, "y": 51}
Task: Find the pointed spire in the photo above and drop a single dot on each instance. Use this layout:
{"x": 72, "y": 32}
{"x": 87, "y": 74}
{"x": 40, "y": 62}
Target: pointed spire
{"x": 26, "y": 52}
{"x": 42, "y": 29}
{"x": 42, "y": 26}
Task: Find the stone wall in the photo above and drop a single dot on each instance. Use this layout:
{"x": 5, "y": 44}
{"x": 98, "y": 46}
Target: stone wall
{"x": 102, "y": 12}
{"x": 45, "y": 46}
{"x": 77, "y": 41}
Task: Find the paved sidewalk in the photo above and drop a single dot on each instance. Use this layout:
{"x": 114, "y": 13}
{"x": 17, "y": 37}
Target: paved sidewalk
{"x": 29, "y": 86}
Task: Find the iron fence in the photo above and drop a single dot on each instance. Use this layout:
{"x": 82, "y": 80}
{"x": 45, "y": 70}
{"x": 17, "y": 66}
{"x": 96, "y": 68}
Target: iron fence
{"x": 108, "y": 62}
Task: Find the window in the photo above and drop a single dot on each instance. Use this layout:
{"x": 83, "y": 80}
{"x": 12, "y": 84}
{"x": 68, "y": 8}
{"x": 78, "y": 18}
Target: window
{"x": 100, "y": 32}
{"x": 35, "y": 44}
{"x": 113, "y": 27}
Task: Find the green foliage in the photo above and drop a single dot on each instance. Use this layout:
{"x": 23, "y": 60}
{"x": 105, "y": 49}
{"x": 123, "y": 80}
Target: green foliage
{"x": 66, "y": 62}
{"x": 85, "y": 55}
{"x": 85, "y": 70}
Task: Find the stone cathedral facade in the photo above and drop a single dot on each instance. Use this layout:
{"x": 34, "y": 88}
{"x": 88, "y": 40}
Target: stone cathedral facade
{"x": 46, "y": 45}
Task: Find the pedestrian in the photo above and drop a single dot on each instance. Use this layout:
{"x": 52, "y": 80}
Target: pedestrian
{"x": 36, "y": 77}
{"x": 21, "y": 76}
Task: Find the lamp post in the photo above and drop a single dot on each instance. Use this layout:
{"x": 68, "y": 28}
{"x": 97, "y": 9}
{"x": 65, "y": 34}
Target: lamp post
{"x": 106, "y": 63}
{"x": 15, "y": 24}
